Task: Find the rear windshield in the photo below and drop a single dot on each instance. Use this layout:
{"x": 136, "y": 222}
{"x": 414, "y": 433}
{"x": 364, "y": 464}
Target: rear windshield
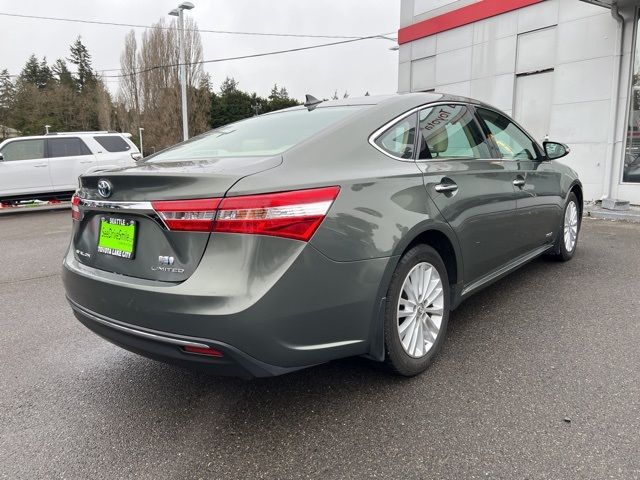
{"x": 112, "y": 143}
{"x": 258, "y": 136}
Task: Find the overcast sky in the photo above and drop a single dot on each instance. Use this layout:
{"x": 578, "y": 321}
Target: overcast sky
{"x": 359, "y": 67}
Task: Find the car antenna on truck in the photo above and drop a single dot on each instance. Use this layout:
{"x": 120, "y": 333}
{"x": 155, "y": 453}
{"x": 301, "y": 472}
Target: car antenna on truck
{"x": 311, "y": 102}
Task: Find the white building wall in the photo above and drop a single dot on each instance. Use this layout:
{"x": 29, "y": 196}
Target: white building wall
{"x": 573, "y": 40}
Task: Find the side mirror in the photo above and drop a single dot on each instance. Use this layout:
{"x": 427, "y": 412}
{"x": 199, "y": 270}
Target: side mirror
{"x": 555, "y": 150}
{"x": 1, "y": 157}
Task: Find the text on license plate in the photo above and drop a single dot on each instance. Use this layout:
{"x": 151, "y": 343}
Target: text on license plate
{"x": 117, "y": 237}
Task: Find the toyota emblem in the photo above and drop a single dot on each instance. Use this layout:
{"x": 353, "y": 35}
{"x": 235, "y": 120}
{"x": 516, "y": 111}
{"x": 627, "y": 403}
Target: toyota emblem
{"x": 104, "y": 188}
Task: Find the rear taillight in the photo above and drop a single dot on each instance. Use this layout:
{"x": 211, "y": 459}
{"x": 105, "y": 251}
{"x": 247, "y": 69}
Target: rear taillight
{"x": 75, "y": 207}
{"x": 295, "y": 214}
{"x": 188, "y": 215}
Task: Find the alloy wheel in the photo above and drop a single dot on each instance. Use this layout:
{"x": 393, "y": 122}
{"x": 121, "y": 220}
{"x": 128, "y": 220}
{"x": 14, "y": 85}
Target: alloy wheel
{"x": 570, "y": 226}
{"x": 420, "y": 309}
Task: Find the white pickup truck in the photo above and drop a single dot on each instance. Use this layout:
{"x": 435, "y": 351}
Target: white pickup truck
{"x": 48, "y": 166}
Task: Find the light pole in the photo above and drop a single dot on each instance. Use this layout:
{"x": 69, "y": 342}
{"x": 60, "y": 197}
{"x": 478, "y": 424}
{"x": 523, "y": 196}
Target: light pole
{"x": 179, "y": 12}
{"x": 140, "y": 130}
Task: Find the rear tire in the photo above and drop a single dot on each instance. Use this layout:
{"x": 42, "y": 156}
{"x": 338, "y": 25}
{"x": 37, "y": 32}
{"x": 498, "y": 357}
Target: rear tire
{"x": 567, "y": 238}
{"x": 417, "y": 311}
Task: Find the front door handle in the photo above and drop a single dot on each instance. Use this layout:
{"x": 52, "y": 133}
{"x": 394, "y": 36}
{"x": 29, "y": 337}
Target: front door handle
{"x": 40, "y": 165}
{"x": 446, "y": 187}
{"x": 519, "y": 182}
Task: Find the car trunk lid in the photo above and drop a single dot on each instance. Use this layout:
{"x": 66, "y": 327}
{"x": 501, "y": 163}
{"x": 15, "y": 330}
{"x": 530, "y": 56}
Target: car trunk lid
{"x": 119, "y": 231}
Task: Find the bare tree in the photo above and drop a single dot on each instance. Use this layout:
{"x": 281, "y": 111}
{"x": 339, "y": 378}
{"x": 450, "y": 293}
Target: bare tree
{"x": 149, "y": 89}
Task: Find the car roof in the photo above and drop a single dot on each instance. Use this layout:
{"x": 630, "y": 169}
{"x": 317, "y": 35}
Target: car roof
{"x": 66, "y": 134}
{"x": 415, "y": 98}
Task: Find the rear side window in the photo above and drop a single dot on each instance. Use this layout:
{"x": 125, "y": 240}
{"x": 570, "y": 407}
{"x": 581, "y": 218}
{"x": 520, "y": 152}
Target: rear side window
{"x": 512, "y": 142}
{"x": 450, "y": 131}
{"x": 67, "y": 147}
{"x": 399, "y": 139}
{"x": 113, "y": 143}
{"x": 23, "y": 150}
{"x": 258, "y": 136}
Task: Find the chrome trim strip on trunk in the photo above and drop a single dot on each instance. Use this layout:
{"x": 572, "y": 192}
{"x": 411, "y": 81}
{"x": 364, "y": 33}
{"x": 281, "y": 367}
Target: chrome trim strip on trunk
{"x": 143, "y": 208}
{"x": 108, "y": 205}
{"x": 147, "y": 334}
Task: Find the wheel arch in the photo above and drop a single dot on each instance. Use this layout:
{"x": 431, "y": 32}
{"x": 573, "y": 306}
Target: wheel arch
{"x": 439, "y": 236}
{"x": 576, "y": 188}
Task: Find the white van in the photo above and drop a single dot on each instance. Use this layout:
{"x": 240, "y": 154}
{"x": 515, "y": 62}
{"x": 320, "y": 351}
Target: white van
{"x": 48, "y": 166}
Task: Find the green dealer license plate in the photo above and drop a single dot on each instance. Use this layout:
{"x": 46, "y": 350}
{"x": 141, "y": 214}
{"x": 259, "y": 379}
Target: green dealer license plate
{"x": 117, "y": 237}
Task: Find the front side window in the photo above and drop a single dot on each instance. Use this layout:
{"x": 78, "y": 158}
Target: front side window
{"x": 399, "y": 139}
{"x": 269, "y": 134}
{"x": 450, "y": 131}
{"x": 67, "y": 147}
{"x": 512, "y": 142}
{"x": 23, "y": 150}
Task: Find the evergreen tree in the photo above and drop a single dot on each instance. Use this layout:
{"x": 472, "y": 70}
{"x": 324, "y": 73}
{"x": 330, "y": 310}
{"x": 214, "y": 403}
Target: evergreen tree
{"x": 81, "y": 58}
{"x": 31, "y": 71}
{"x": 62, "y": 73}
{"x": 7, "y": 95}
{"x": 45, "y": 76}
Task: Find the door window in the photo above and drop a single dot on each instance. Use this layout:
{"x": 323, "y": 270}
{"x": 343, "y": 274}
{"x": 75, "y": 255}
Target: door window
{"x": 112, "y": 143}
{"x": 512, "y": 142}
{"x": 399, "y": 139}
{"x": 450, "y": 131}
{"x": 23, "y": 150}
{"x": 67, "y": 147}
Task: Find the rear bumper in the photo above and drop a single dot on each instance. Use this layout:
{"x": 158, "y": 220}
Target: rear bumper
{"x": 279, "y": 307}
{"x": 169, "y": 348}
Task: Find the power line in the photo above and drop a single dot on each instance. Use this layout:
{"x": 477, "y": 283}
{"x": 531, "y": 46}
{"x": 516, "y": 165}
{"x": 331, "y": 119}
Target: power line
{"x": 158, "y": 27}
{"x": 241, "y": 57}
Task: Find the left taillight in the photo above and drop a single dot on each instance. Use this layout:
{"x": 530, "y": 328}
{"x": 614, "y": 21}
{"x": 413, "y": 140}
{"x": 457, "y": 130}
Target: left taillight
{"x": 75, "y": 207}
{"x": 294, "y": 214}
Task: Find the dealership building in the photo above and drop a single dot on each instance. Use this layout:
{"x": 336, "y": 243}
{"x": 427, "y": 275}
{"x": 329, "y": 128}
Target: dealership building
{"x": 568, "y": 70}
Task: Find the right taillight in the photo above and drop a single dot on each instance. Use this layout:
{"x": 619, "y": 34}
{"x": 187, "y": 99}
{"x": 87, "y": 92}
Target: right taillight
{"x": 75, "y": 207}
{"x": 188, "y": 215}
{"x": 295, "y": 214}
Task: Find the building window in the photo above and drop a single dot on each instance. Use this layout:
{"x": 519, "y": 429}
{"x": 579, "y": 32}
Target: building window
{"x": 631, "y": 167}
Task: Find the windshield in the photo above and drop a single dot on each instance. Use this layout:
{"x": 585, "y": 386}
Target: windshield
{"x": 257, "y": 136}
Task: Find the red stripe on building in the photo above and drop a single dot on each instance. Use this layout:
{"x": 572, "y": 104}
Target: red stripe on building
{"x": 462, "y": 16}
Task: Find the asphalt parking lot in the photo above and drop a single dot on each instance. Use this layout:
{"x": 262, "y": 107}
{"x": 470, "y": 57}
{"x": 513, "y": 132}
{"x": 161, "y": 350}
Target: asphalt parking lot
{"x": 539, "y": 378}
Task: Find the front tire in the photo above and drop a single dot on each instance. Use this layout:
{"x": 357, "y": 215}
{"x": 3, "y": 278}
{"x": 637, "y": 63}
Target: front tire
{"x": 567, "y": 241}
{"x": 417, "y": 311}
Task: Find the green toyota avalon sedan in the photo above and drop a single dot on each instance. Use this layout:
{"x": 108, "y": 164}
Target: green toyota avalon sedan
{"x": 314, "y": 233}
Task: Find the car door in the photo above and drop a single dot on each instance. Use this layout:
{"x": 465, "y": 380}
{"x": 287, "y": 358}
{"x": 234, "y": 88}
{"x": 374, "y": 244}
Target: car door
{"x": 539, "y": 203}
{"x": 24, "y": 169}
{"x": 470, "y": 186}
{"x": 69, "y": 157}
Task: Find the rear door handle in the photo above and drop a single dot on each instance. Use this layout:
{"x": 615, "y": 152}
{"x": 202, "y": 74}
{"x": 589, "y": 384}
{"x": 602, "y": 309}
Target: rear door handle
{"x": 446, "y": 187}
{"x": 40, "y": 165}
{"x": 519, "y": 182}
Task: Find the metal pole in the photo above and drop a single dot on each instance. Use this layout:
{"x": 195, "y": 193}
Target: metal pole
{"x": 183, "y": 76}
{"x": 140, "y": 130}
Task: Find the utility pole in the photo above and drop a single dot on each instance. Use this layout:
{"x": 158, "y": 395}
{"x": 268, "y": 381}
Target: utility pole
{"x": 140, "y": 130}
{"x": 179, "y": 12}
